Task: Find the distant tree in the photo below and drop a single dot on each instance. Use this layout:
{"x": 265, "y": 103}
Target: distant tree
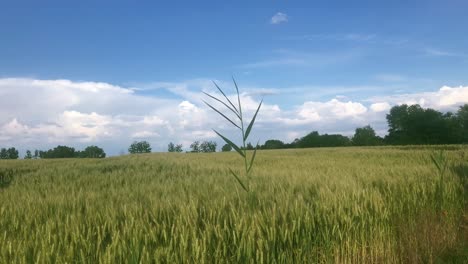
{"x": 335, "y": 140}
{"x": 250, "y": 146}
{"x": 178, "y": 148}
{"x": 293, "y": 144}
{"x": 171, "y": 147}
{"x": 208, "y": 146}
{"x": 28, "y": 155}
{"x": 452, "y": 131}
{"x": 310, "y": 140}
{"x": 3, "y": 153}
{"x": 416, "y": 125}
{"x": 226, "y": 148}
{"x": 10, "y": 153}
{"x": 462, "y": 116}
{"x": 314, "y": 139}
{"x": 273, "y": 144}
{"x": 63, "y": 152}
{"x": 58, "y": 152}
{"x": 139, "y": 147}
{"x": 174, "y": 148}
{"x": 92, "y": 152}
{"x": 13, "y": 153}
{"x": 195, "y": 146}
{"x": 365, "y": 136}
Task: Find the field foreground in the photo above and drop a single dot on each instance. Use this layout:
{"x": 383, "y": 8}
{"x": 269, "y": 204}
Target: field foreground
{"x": 331, "y": 205}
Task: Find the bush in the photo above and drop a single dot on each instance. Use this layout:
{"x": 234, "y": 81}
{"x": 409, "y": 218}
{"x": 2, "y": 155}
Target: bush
{"x": 226, "y": 148}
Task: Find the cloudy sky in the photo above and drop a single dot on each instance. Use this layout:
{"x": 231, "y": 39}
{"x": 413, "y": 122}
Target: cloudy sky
{"x": 110, "y": 73}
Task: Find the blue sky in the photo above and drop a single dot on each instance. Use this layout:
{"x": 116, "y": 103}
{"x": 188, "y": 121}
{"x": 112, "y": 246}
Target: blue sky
{"x": 300, "y": 55}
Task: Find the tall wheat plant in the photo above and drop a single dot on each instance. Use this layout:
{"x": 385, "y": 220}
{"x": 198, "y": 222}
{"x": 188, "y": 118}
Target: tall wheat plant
{"x": 238, "y": 123}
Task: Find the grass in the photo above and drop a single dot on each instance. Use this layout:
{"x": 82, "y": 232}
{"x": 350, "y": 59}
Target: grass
{"x": 330, "y": 205}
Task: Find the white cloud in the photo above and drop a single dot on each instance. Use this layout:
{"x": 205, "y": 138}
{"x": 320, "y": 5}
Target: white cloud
{"x": 446, "y": 98}
{"x": 333, "y": 113}
{"x": 380, "y": 107}
{"x": 279, "y": 18}
{"x": 144, "y": 135}
{"x": 333, "y": 109}
{"x": 439, "y": 53}
{"x": 44, "y": 113}
{"x": 293, "y": 58}
{"x": 358, "y": 37}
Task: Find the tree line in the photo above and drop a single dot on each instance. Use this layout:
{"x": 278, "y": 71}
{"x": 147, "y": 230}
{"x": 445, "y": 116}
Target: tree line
{"x": 407, "y": 125}
{"x": 55, "y": 153}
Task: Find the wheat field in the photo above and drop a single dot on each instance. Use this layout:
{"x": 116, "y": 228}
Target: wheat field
{"x": 328, "y": 205}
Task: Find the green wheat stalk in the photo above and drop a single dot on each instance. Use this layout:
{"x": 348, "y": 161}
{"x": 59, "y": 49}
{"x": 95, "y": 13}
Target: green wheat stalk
{"x": 441, "y": 162}
{"x": 238, "y": 123}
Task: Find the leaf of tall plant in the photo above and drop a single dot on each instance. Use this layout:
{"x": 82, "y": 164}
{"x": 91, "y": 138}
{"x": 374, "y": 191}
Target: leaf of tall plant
{"x": 249, "y": 128}
{"x": 245, "y": 132}
{"x": 227, "y": 106}
{"x": 234, "y": 146}
{"x": 219, "y": 89}
{"x": 239, "y": 181}
{"x": 252, "y": 159}
{"x": 227, "y": 118}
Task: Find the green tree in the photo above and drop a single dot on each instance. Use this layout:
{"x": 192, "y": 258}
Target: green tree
{"x": 28, "y": 155}
{"x": 171, "y": 147}
{"x": 397, "y": 121}
{"x": 365, "y": 136}
{"x": 462, "y": 116}
{"x": 273, "y": 144}
{"x": 92, "y": 152}
{"x": 139, "y": 147}
{"x": 453, "y": 129}
{"x": 58, "y": 152}
{"x": 416, "y": 125}
{"x": 3, "y": 153}
{"x": 195, "y": 146}
{"x": 226, "y": 148}
{"x": 314, "y": 139}
{"x": 208, "y": 146}
{"x": 178, "y": 148}
{"x": 10, "y": 153}
{"x": 36, "y": 154}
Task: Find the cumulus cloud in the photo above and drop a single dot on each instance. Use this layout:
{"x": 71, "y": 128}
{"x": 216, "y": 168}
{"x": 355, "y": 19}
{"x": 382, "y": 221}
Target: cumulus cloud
{"x": 445, "y": 99}
{"x": 322, "y": 114}
{"x": 441, "y": 53}
{"x": 279, "y": 18}
{"x": 44, "y": 113}
{"x": 40, "y": 113}
{"x": 380, "y": 107}
{"x": 144, "y": 135}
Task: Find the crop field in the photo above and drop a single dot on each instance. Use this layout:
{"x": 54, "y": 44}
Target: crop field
{"x": 327, "y": 205}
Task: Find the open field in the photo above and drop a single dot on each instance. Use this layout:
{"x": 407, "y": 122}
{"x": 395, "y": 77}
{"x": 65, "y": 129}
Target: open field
{"x": 331, "y": 205}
